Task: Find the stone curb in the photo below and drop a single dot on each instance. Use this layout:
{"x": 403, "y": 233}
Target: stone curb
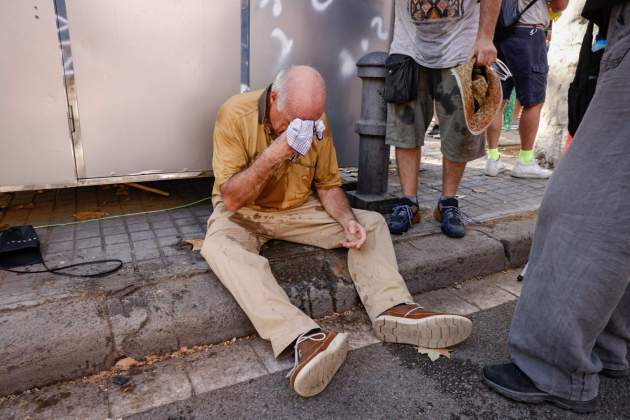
{"x": 80, "y": 330}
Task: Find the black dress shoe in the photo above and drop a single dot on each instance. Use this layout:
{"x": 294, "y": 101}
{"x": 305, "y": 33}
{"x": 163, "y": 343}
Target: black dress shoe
{"x": 615, "y": 373}
{"x": 510, "y": 381}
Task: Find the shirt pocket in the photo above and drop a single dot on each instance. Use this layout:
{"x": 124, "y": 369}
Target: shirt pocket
{"x": 302, "y": 174}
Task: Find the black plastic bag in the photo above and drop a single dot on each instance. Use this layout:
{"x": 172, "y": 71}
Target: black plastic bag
{"x": 582, "y": 88}
{"x": 19, "y": 246}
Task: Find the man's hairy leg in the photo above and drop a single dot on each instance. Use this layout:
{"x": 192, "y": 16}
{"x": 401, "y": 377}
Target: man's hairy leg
{"x": 452, "y": 173}
{"x": 408, "y": 161}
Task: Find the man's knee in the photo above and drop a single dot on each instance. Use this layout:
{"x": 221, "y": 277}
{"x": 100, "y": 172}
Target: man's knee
{"x": 371, "y": 220}
{"x": 210, "y": 248}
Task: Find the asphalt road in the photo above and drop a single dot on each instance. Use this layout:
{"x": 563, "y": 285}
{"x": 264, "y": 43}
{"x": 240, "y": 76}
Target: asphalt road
{"x": 386, "y": 381}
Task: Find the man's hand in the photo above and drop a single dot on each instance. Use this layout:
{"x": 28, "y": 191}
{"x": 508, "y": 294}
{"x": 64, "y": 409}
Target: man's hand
{"x": 336, "y": 204}
{"x": 485, "y": 52}
{"x": 355, "y": 235}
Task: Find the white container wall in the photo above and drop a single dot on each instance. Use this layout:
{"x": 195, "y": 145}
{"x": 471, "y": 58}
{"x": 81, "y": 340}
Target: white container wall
{"x": 35, "y": 141}
{"x": 150, "y": 75}
{"x": 106, "y": 91}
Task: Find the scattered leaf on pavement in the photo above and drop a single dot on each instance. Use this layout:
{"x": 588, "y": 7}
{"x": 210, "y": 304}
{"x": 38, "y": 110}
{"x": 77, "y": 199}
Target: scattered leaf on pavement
{"x": 196, "y": 244}
{"x": 435, "y": 354}
{"x": 126, "y": 363}
{"x": 86, "y": 215}
{"x": 478, "y": 190}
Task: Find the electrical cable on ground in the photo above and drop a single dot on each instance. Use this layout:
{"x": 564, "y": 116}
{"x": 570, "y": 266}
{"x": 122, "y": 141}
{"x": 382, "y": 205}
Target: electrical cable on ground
{"x": 124, "y": 215}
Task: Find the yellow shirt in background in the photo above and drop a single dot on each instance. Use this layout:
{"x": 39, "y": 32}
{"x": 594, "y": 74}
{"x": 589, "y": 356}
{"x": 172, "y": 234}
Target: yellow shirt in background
{"x": 240, "y": 137}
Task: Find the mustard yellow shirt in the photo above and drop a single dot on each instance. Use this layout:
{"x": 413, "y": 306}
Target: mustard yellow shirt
{"x": 240, "y": 136}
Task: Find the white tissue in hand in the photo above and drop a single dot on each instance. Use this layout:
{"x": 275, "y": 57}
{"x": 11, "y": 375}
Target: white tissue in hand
{"x": 300, "y": 135}
{"x": 319, "y": 129}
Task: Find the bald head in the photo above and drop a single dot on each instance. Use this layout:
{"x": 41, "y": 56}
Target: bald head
{"x": 301, "y": 93}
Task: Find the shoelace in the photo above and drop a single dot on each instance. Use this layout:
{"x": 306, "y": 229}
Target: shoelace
{"x": 320, "y": 336}
{"x": 452, "y": 211}
{"x": 402, "y": 211}
{"x": 417, "y": 307}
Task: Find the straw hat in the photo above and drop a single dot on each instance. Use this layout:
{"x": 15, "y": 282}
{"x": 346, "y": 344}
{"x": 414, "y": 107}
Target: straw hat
{"x": 481, "y": 94}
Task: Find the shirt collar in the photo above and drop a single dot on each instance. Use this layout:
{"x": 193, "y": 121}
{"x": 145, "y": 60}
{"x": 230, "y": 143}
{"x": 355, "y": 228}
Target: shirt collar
{"x": 263, "y": 112}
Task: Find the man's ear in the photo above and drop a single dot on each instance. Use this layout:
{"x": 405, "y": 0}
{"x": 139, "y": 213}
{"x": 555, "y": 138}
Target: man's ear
{"x": 273, "y": 97}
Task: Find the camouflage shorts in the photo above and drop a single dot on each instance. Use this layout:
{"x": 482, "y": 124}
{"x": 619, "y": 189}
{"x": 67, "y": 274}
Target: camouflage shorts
{"x": 407, "y": 123}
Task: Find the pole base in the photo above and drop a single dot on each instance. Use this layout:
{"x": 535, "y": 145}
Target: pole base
{"x": 382, "y": 203}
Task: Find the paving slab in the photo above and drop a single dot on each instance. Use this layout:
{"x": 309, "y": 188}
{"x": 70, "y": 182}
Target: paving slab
{"x": 159, "y": 385}
{"x": 84, "y": 401}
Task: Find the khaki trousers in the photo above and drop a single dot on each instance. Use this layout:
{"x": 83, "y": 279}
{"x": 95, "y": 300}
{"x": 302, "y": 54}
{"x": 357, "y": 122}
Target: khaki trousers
{"x": 232, "y": 247}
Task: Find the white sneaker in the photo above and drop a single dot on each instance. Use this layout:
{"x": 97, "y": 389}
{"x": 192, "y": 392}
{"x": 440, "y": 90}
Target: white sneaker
{"x": 530, "y": 170}
{"x": 494, "y": 167}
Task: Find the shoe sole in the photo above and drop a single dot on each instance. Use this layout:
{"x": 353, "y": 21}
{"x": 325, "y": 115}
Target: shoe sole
{"x": 529, "y": 176}
{"x": 535, "y": 398}
{"x": 317, "y": 374}
{"x": 492, "y": 174}
{"x": 615, "y": 374}
{"x": 434, "y": 332}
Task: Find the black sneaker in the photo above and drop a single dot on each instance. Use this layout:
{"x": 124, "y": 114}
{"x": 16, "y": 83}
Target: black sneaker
{"x": 448, "y": 214}
{"x": 510, "y": 381}
{"x": 403, "y": 216}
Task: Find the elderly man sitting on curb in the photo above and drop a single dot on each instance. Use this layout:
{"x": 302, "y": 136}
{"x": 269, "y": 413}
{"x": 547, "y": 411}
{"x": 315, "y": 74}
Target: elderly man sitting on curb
{"x": 271, "y": 148}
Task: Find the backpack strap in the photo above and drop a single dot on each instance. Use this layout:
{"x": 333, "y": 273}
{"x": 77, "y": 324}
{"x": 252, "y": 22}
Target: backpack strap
{"x": 522, "y": 12}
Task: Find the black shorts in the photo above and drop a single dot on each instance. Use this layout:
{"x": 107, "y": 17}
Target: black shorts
{"x": 525, "y": 53}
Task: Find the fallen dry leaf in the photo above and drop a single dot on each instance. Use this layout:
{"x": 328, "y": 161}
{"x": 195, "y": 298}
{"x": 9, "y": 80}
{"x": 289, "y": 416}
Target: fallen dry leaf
{"x": 87, "y": 215}
{"x": 478, "y": 190}
{"x": 196, "y": 244}
{"x": 126, "y": 363}
{"x": 25, "y": 206}
{"x": 435, "y": 354}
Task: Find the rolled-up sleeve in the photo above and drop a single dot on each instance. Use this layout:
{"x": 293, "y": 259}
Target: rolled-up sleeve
{"x": 228, "y": 155}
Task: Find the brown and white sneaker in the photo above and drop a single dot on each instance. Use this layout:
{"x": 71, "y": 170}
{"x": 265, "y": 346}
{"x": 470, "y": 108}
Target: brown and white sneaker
{"x": 318, "y": 356}
{"x": 411, "y": 324}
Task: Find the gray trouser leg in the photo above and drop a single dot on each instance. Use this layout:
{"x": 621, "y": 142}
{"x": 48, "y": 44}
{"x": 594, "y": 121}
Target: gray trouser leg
{"x": 573, "y": 315}
{"x": 612, "y": 344}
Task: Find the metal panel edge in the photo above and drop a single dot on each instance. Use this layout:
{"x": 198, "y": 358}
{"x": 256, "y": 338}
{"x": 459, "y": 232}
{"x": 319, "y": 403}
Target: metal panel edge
{"x": 108, "y": 180}
{"x": 74, "y": 124}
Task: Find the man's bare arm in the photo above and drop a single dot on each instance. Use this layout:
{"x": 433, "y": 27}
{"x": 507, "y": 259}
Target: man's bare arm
{"x": 246, "y": 186}
{"x": 336, "y": 204}
{"x": 484, "y": 48}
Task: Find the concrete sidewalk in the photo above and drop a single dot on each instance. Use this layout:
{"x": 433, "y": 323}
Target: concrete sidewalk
{"x": 241, "y": 379}
{"x": 200, "y": 371}
{"x": 56, "y": 328}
